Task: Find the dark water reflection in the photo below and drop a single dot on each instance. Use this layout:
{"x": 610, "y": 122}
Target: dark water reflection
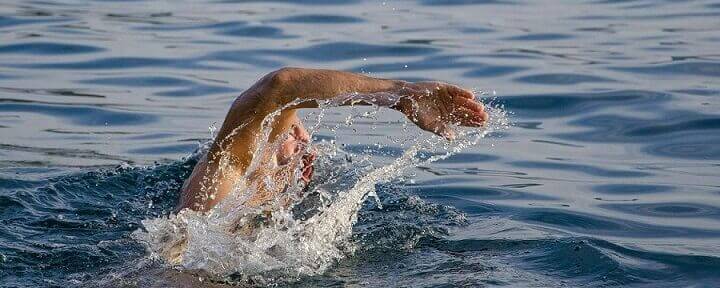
{"x": 39, "y": 48}
{"x": 610, "y": 175}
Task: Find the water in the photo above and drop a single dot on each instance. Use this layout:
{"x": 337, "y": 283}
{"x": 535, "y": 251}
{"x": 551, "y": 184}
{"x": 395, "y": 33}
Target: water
{"x": 609, "y": 175}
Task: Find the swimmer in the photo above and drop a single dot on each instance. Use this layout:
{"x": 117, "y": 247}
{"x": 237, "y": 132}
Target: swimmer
{"x": 433, "y": 106}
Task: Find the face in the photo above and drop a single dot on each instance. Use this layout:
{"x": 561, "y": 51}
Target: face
{"x": 296, "y": 143}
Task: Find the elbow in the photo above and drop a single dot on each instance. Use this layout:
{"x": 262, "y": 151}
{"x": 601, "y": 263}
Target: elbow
{"x": 282, "y": 77}
{"x": 282, "y": 84}
{"x": 273, "y": 89}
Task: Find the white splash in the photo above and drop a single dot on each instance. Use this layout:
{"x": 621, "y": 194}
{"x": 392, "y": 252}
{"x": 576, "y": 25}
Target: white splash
{"x": 285, "y": 247}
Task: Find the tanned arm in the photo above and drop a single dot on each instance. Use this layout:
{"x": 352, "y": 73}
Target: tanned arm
{"x": 433, "y": 106}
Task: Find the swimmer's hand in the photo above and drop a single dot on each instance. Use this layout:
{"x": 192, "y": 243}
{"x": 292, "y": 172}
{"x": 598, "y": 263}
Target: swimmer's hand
{"x": 434, "y": 106}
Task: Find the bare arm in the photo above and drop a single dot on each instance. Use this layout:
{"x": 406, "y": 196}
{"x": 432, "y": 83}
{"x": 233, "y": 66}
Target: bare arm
{"x": 312, "y": 85}
{"x": 305, "y": 87}
{"x": 431, "y": 105}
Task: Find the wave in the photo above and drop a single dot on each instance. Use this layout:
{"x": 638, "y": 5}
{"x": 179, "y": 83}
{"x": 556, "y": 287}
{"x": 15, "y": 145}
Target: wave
{"x": 304, "y": 239}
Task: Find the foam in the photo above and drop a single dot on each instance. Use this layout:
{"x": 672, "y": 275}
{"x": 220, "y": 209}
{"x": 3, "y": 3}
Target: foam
{"x": 287, "y": 246}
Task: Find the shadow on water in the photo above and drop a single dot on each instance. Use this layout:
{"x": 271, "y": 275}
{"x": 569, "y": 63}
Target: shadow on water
{"x": 630, "y": 189}
{"x": 78, "y": 115}
{"x": 562, "y": 79}
{"x": 320, "y": 19}
{"x": 182, "y": 87}
{"x": 700, "y": 69}
{"x": 10, "y": 22}
{"x": 47, "y": 49}
{"x": 588, "y": 260}
{"x": 563, "y": 104}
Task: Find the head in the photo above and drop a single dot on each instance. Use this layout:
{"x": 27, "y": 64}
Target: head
{"x": 296, "y": 146}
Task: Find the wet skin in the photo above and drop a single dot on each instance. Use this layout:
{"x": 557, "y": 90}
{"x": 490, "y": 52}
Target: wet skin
{"x": 432, "y": 106}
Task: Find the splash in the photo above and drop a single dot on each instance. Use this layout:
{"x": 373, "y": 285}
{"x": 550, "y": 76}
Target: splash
{"x": 293, "y": 242}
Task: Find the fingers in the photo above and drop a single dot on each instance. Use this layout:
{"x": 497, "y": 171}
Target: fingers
{"x": 467, "y": 117}
{"x": 308, "y": 167}
{"x": 459, "y": 92}
{"x": 441, "y": 128}
{"x": 470, "y": 104}
{"x": 476, "y": 106}
{"x": 446, "y": 132}
{"x": 468, "y": 112}
{"x": 448, "y": 105}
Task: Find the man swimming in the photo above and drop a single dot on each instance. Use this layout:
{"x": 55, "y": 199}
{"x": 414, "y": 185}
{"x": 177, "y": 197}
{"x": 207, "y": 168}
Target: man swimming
{"x": 286, "y": 158}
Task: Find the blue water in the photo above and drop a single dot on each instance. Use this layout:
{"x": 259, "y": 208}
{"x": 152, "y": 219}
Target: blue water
{"x": 609, "y": 176}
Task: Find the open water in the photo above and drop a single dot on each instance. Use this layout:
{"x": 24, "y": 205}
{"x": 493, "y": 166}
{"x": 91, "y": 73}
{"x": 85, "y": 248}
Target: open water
{"x": 608, "y": 176}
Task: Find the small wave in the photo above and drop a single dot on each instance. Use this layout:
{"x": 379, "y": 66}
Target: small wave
{"x": 301, "y": 241}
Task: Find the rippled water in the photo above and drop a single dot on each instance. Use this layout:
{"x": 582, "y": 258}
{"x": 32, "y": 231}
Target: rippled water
{"x": 610, "y": 174}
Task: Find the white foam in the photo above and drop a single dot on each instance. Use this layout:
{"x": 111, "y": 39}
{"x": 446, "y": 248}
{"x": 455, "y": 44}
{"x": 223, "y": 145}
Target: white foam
{"x": 288, "y": 247}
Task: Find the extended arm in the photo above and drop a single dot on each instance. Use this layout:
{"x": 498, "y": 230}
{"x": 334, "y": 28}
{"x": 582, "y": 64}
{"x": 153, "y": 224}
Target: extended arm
{"x": 431, "y": 105}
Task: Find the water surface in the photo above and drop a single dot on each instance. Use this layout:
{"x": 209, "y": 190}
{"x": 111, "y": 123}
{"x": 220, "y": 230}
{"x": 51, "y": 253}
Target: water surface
{"x": 609, "y": 176}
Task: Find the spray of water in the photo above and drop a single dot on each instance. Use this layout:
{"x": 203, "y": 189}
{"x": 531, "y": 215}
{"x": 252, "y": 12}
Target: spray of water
{"x": 234, "y": 239}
